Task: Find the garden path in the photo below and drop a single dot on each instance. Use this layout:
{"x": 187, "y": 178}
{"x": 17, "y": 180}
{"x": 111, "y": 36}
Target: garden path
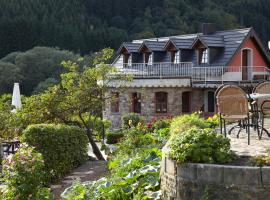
{"x": 89, "y": 171}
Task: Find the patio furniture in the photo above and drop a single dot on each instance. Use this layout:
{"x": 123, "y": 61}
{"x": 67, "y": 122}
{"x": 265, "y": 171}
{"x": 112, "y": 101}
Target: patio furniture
{"x": 265, "y": 111}
{"x": 232, "y": 105}
{"x": 10, "y": 147}
{"x": 261, "y": 93}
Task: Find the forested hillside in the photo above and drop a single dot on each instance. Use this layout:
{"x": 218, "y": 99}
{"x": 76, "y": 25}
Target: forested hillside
{"x": 85, "y": 26}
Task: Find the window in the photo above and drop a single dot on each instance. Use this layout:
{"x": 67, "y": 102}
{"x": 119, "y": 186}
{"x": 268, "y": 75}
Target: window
{"x": 211, "y": 101}
{"x": 148, "y": 58}
{"x": 177, "y": 57}
{"x": 136, "y": 102}
{"x": 130, "y": 60}
{"x": 203, "y": 56}
{"x": 125, "y": 58}
{"x": 115, "y": 102}
{"x": 161, "y": 102}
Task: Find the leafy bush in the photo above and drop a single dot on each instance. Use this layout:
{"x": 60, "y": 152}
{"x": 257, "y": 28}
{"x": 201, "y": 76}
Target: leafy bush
{"x": 131, "y": 120}
{"x": 200, "y": 145}
{"x": 136, "y": 176}
{"x": 184, "y": 122}
{"x": 213, "y": 122}
{"x": 114, "y": 136}
{"x": 164, "y": 132}
{"x": 24, "y": 176}
{"x": 63, "y": 147}
{"x": 161, "y": 124}
{"x": 261, "y": 160}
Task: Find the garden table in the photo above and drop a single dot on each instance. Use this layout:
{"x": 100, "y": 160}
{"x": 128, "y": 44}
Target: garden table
{"x": 257, "y": 112}
{"x": 256, "y": 96}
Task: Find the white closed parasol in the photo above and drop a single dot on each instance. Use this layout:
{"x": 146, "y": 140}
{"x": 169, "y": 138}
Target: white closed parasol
{"x": 16, "y": 97}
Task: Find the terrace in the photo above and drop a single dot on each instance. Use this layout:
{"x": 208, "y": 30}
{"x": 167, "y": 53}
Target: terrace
{"x": 197, "y": 74}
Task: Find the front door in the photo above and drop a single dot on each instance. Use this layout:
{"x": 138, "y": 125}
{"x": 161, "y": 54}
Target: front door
{"x": 246, "y": 64}
{"x": 186, "y": 101}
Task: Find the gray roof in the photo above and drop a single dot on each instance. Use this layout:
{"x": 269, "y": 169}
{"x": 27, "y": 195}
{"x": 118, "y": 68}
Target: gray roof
{"x": 154, "y": 45}
{"x": 210, "y": 40}
{"x": 229, "y": 40}
{"x": 130, "y": 47}
{"x": 182, "y": 43}
{"x": 233, "y": 39}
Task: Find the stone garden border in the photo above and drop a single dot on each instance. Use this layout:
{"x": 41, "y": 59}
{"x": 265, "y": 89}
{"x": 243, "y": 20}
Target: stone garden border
{"x": 208, "y": 181}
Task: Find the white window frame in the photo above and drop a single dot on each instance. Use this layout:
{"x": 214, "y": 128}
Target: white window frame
{"x": 205, "y": 56}
{"x": 150, "y": 59}
{"x": 130, "y": 60}
{"x": 177, "y": 57}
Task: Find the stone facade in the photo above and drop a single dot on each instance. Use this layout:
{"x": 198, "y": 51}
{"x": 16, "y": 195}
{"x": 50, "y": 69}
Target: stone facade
{"x": 148, "y": 104}
{"x": 206, "y": 181}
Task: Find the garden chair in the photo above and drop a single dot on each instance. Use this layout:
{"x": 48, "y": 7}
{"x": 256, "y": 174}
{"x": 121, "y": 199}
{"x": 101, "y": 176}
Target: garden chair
{"x": 233, "y": 106}
{"x": 262, "y": 103}
{"x": 262, "y": 88}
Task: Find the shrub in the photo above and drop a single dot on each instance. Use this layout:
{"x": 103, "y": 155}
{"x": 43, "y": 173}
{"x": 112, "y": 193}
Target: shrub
{"x": 131, "y": 120}
{"x": 184, "y": 122}
{"x": 213, "y": 122}
{"x": 24, "y": 176}
{"x": 261, "y": 160}
{"x": 63, "y": 147}
{"x": 200, "y": 145}
{"x": 164, "y": 132}
{"x": 114, "y": 136}
{"x": 161, "y": 124}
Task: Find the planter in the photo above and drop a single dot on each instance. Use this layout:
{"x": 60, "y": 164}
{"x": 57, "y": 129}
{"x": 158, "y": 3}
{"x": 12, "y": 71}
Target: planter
{"x": 208, "y": 181}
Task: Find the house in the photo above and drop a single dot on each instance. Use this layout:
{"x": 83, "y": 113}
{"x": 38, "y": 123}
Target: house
{"x": 179, "y": 74}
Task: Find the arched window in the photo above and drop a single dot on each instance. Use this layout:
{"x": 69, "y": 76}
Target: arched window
{"x": 115, "y": 102}
{"x": 161, "y": 102}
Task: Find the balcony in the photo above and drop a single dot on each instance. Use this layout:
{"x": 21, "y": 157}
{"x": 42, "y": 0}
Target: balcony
{"x": 197, "y": 74}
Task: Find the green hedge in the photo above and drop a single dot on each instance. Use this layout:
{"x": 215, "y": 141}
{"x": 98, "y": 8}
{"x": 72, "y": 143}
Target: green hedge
{"x": 63, "y": 147}
{"x": 114, "y": 136}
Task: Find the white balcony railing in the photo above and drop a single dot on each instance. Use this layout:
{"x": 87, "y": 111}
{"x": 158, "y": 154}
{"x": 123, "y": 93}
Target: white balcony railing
{"x": 195, "y": 73}
{"x": 156, "y": 70}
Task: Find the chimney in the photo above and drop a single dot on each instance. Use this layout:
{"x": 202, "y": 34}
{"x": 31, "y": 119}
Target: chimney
{"x": 208, "y": 28}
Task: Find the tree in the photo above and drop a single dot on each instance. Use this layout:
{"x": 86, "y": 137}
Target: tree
{"x": 9, "y": 74}
{"x": 33, "y": 67}
{"x": 77, "y": 100}
{"x": 8, "y": 120}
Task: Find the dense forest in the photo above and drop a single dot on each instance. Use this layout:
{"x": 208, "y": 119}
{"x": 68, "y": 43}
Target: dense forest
{"x": 85, "y": 26}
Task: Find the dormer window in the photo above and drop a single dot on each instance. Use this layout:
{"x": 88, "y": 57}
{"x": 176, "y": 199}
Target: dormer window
{"x": 130, "y": 60}
{"x": 150, "y": 61}
{"x": 148, "y": 58}
{"x": 203, "y": 56}
{"x": 177, "y": 57}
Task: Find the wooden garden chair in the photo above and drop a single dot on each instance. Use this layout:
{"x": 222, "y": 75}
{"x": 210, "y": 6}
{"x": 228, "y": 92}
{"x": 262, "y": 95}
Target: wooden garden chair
{"x": 233, "y": 106}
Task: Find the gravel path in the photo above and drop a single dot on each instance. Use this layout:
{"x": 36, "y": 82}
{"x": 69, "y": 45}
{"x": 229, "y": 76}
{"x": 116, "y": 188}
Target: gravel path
{"x": 91, "y": 170}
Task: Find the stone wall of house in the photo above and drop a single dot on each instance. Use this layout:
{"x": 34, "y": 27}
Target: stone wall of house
{"x": 212, "y": 182}
{"x": 148, "y": 110}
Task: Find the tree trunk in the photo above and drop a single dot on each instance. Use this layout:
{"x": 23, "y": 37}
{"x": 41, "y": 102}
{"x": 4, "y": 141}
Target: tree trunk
{"x": 95, "y": 148}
